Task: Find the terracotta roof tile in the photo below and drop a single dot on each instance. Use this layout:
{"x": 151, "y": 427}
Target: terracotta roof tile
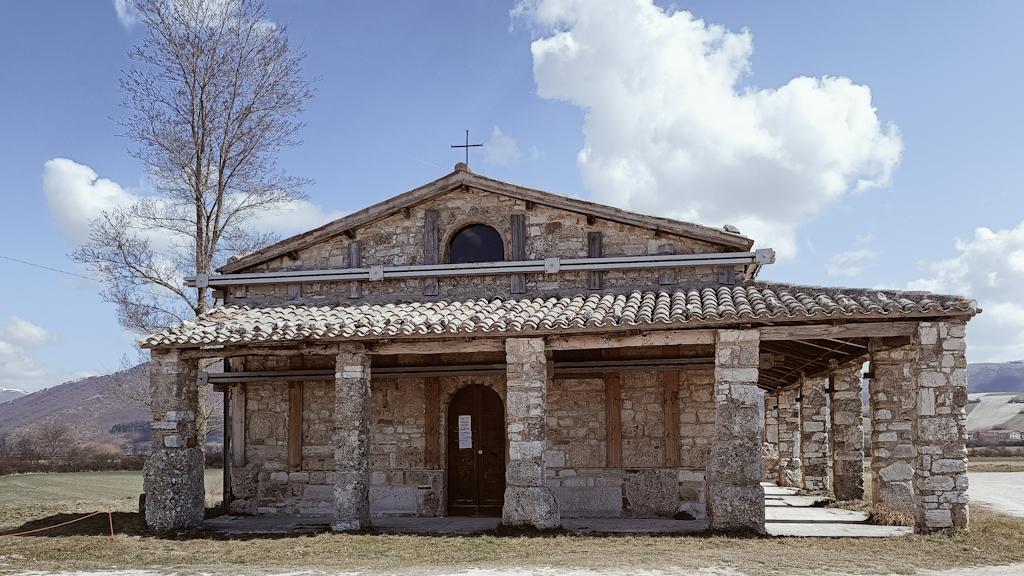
{"x": 685, "y": 308}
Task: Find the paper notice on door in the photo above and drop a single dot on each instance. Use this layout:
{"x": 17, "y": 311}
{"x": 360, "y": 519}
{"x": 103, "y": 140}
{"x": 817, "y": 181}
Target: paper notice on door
{"x": 465, "y": 431}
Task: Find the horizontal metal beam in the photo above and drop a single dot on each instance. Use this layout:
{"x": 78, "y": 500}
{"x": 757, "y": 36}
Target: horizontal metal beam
{"x": 547, "y": 266}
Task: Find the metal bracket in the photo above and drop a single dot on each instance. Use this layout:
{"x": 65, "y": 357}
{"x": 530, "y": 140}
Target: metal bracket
{"x": 376, "y": 273}
{"x": 202, "y": 281}
{"x": 551, "y": 265}
{"x": 764, "y": 256}
{"x": 202, "y": 378}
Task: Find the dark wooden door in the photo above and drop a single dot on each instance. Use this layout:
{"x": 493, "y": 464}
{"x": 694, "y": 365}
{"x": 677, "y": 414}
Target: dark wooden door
{"x": 476, "y": 453}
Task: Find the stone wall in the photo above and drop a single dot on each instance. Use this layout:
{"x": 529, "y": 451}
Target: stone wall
{"x": 644, "y": 487}
{"x": 790, "y": 466}
{"x": 770, "y": 447}
{"x": 847, "y": 405}
{"x": 550, "y": 233}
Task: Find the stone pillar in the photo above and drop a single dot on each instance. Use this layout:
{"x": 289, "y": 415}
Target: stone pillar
{"x": 173, "y": 474}
{"x": 528, "y": 500}
{"x": 735, "y": 499}
{"x": 891, "y": 395}
{"x": 847, "y": 405}
{"x": 813, "y": 435}
{"x": 790, "y": 468}
{"x": 352, "y": 439}
{"x": 770, "y": 447}
{"x": 940, "y": 427}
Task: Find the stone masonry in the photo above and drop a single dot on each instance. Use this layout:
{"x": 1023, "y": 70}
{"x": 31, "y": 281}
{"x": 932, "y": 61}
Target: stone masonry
{"x": 847, "y": 433}
{"x": 173, "y": 474}
{"x": 352, "y": 439}
{"x": 940, "y": 427}
{"x": 790, "y": 468}
{"x": 770, "y": 447}
{"x": 528, "y": 499}
{"x": 892, "y": 396}
{"x": 735, "y": 498}
{"x": 814, "y": 435}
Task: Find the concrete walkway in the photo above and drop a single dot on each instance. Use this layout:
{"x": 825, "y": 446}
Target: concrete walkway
{"x": 786, "y": 514}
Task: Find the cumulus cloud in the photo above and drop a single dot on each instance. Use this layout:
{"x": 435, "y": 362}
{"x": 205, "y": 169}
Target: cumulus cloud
{"x": 76, "y": 195}
{"x": 990, "y": 269}
{"x": 669, "y": 131}
{"x": 126, "y": 14}
{"x": 19, "y": 337}
{"x": 501, "y": 149}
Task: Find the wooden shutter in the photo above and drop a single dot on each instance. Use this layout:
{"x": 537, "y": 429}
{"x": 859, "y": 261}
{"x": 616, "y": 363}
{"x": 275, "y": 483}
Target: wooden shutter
{"x": 355, "y": 260}
{"x": 431, "y": 245}
{"x": 595, "y": 249}
{"x": 518, "y": 251}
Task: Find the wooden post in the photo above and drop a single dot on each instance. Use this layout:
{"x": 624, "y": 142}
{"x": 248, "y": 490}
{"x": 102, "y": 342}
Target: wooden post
{"x": 667, "y": 276}
{"x": 432, "y": 423}
{"x": 225, "y": 501}
{"x": 613, "y": 412}
{"x": 237, "y": 409}
{"x": 431, "y": 245}
{"x": 518, "y": 251}
{"x": 671, "y": 409}
{"x": 595, "y": 249}
{"x": 295, "y": 418}
{"x": 355, "y": 260}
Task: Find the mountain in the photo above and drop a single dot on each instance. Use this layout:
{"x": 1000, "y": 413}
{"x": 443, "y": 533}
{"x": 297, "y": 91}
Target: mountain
{"x": 1002, "y": 377}
{"x": 8, "y": 394}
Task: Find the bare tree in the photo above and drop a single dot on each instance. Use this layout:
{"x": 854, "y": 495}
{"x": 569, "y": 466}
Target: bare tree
{"x": 53, "y": 439}
{"x": 213, "y": 95}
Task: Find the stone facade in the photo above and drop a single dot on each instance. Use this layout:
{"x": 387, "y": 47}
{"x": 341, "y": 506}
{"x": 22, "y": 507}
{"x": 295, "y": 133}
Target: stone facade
{"x": 940, "y": 427}
{"x": 847, "y": 405}
{"x": 173, "y": 474}
{"x": 814, "y": 435}
{"x": 892, "y": 397}
{"x": 528, "y": 499}
{"x": 550, "y": 233}
{"x": 735, "y": 499}
{"x": 790, "y": 466}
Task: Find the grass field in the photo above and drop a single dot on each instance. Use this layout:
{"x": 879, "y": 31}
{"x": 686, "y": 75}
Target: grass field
{"x": 40, "y": 500}
{"x": 26, "y": 497}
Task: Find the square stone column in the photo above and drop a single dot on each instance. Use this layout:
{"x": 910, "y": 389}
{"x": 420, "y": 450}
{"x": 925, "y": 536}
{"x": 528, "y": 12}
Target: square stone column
{"x": 770, "y": 448}
{"x": 352, "y": 439}
{"x": 528, "y": 500}
{"x": 735, "y": 499}
{"x": 847, "y": 405}
{"x": 173, "y": 474}
{"x": 814, "y": 435}
{"x": 892, "y": 398}
{"x": 790, "y": 467}
{"x": 940, "y": 427}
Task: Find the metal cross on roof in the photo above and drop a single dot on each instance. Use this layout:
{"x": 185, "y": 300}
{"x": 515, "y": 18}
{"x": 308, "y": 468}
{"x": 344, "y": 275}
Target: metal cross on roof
{"x": 467, "y": 146}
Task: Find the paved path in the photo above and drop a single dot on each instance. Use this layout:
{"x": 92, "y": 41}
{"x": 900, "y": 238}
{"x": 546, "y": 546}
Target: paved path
{"x": 1001, "y": 491}
{"x": 787, "y": 514}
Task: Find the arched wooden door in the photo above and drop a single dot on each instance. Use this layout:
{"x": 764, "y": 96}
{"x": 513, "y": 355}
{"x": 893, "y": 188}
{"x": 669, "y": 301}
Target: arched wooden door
{"x": 476, "y": 452}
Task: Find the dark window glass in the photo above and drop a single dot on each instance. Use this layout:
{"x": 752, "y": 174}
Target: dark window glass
{"x": 476, "y": 244}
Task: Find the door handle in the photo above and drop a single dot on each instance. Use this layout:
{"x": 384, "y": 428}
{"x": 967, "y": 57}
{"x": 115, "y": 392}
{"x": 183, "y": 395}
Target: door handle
{"x": 479, "y": 451}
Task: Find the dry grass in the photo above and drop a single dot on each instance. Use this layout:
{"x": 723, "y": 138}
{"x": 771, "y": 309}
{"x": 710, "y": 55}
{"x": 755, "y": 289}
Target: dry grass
{"x": 992, "y": 540}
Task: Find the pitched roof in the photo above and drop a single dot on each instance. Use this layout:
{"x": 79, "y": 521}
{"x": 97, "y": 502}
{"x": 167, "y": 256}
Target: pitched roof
{"x": 465, "y": 178}
{"x": 692, "y": 308}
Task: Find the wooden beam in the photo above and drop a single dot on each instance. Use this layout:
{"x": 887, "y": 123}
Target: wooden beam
{"x": 651, "y": 338}
{"x": 613, "y": 413}
{"x": 440, "y": 346}
{"x": 237, "y": 400}
{"x": 671, "y": 378}
{"x": 850, "y": 330}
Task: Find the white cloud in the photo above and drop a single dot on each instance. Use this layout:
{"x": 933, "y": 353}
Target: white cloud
{"x": 126, "y": 13}
{"x": 990, "y": 269}
{"x": 76, "y": 194}
{"x": 851, "y": 263}
{"x": 501, "y": 149}
{"x": 669, "y": 132}
{"x": 18, "y": 337}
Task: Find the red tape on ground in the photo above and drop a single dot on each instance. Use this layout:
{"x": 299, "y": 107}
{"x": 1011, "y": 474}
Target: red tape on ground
{"x": 109, "y": 515}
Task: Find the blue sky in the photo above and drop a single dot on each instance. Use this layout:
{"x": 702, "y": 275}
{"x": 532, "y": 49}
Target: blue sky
{"x": 399, "y": 82}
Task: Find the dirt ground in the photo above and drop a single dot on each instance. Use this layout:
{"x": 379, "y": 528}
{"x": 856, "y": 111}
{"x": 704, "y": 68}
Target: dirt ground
{"x": 994, "y": 540}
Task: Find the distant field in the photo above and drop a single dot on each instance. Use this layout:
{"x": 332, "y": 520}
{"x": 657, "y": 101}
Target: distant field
{"x": 25, "y": 497}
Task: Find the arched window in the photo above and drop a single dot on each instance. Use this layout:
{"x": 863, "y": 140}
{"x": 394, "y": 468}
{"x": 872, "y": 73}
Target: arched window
{"x": 477, "y": 243}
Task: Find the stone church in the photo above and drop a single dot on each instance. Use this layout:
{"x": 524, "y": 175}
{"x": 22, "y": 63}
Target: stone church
{"x": 478, "y": 348}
